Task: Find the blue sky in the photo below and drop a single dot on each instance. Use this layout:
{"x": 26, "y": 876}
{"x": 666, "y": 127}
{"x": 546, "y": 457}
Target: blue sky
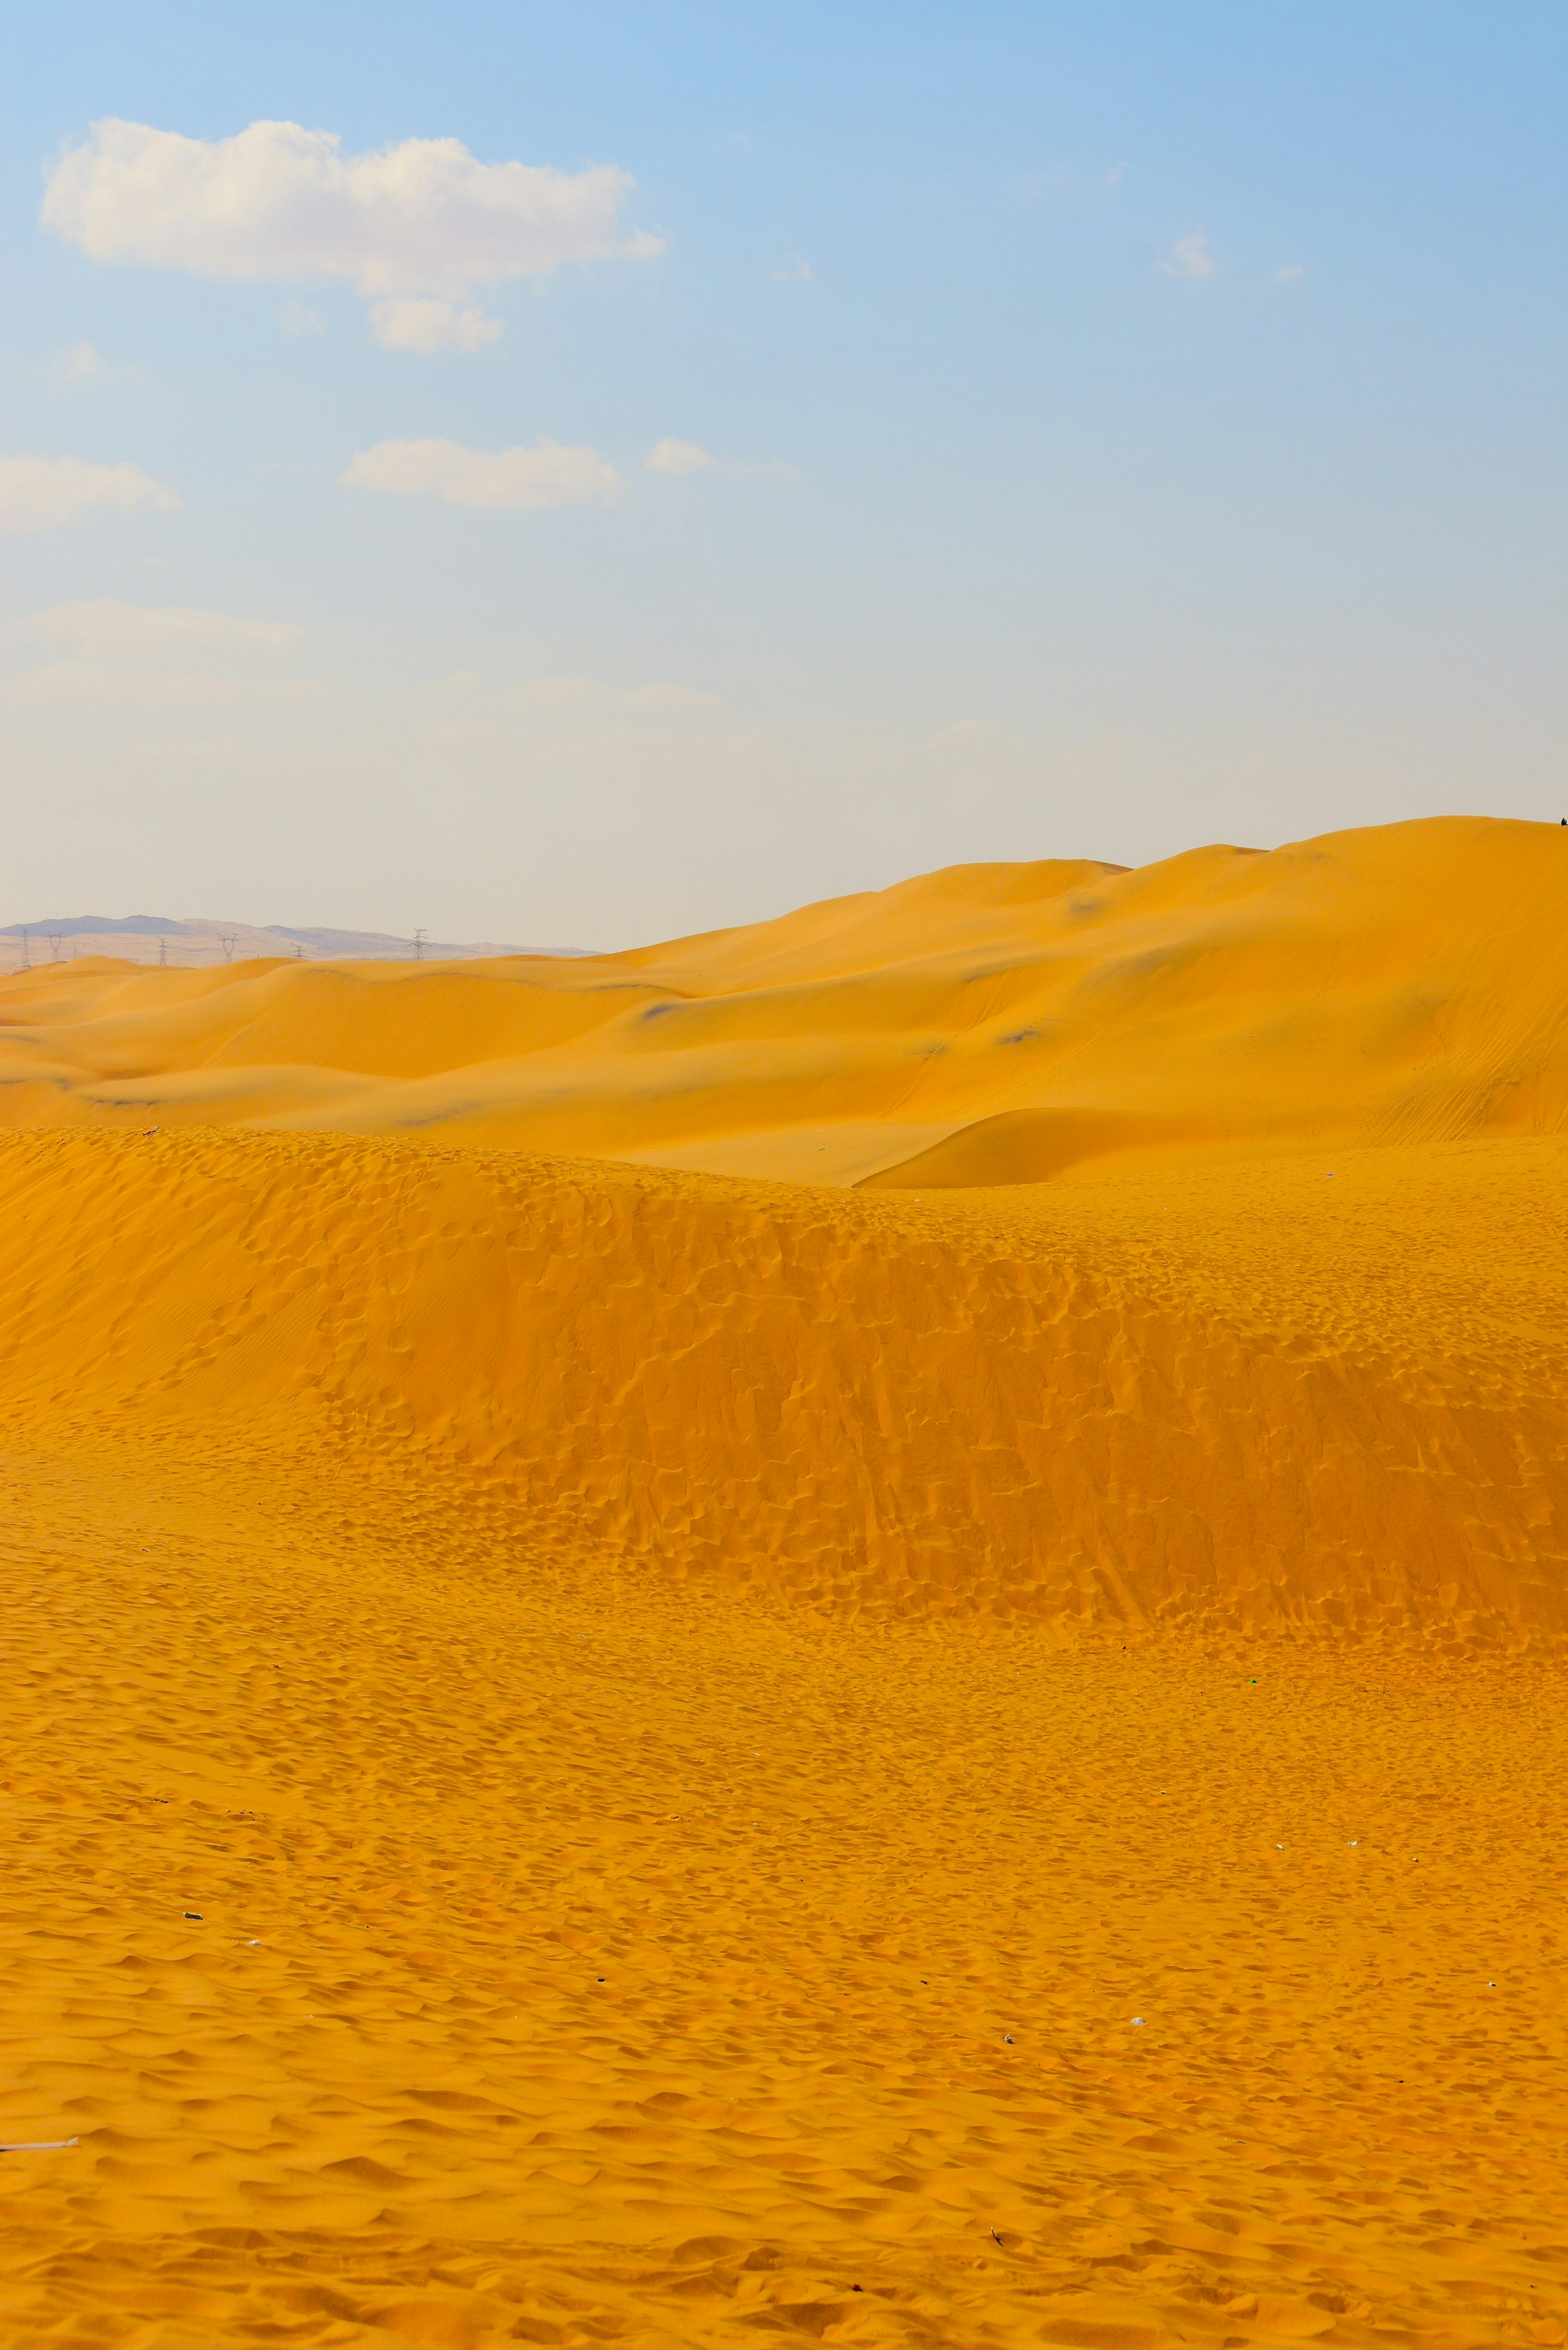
{"x": 1126, "y": 426}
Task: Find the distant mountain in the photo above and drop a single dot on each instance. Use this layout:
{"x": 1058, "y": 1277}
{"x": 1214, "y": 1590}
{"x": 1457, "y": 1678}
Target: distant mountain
{"x": 201, "y": 942}
{"x": 382, "y": 946}
{"x": 68, "y": 926}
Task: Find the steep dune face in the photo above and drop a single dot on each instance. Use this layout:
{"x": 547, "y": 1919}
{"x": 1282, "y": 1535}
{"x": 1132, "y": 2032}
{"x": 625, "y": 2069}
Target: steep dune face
{"x": 1406, "y": 984}
{"x": 1250, "y": 1398}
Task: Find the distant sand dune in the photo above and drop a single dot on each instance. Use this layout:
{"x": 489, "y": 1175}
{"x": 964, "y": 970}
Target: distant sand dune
{"x": 1408, "y": 983}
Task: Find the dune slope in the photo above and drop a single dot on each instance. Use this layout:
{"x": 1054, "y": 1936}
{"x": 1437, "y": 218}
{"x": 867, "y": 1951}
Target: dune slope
{"x": 1245, "y": 1396}
{"x": 1405, "y": 984}
{"x": 969, "y": 1752}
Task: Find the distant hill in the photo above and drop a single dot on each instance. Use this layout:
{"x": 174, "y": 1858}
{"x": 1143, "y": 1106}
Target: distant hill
{"x": 165, "y": 938}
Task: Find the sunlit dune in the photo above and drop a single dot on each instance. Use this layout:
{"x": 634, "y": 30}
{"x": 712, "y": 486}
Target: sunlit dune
{"x": 1247, "y": 1398}
{"x": 854, "y": 1630}
{"x": 1403, "y": 984}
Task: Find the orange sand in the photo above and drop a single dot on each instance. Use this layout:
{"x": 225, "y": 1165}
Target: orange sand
{"x": 1405, "y": 984}
{"x": 695, "y": 1713}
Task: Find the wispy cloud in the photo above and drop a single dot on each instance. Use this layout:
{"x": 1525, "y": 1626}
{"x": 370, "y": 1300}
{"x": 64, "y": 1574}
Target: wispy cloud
{"x": 84, "y": 363}
{"x": 299, "y": 319}
{"x": 419, "y": 324}
{"x": 106, "y": 630}
{"x": 40, "y": 493}
{"x": 796, "y": 272}
{"x": 153, "y": 656}
{"x": 279, "y": 204}
{"x": 1189, "y": 258}
{"x": 515, "y": 479}
{"x": 89, "y": 685}
{"x": 1291, "y": 269}
{"x": 678, "y": 458}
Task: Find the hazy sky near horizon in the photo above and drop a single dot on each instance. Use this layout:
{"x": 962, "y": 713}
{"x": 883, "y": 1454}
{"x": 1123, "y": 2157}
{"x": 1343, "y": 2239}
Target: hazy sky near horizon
{"x": 612, "y": 470}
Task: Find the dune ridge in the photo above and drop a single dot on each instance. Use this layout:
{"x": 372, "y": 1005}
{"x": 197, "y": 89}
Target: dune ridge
{"x": 1404, "y": 982}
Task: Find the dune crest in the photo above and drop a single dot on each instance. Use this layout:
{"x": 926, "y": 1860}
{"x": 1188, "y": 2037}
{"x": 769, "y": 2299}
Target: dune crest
{"x": 1406, "y": 983}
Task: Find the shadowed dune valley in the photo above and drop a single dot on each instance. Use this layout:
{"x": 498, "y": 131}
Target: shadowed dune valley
{"x": 854, "y": 1629}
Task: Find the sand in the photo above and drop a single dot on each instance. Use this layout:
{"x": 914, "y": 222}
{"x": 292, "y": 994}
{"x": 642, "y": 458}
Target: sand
{"x": 1405, "y": 984}
{"x": 577, "y": 1965}
{"x": 1243, "y": 1398}
{"x": 594, "y": 1752}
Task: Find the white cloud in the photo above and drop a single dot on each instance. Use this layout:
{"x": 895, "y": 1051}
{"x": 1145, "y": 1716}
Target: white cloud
{"x": 1291, "y": 269}
{"x": 83, "y": 363}
{"x": 299, "y": 319}
{"x": 677, "y": 457}
{"x": 38, "y": 493}
{"x": 1189, "y": 258}
{"x": 280, "y": 204}
{"x": 419, "y": 324}
{"x": 796, "y": 272}
{"x": 113, "y": 631}
{"x": 519, "y": 480}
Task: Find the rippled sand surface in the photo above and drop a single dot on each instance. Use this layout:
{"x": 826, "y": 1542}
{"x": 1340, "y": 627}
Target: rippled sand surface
{"x": 599, "y": 1750}
{"x": 574, "y": 1964}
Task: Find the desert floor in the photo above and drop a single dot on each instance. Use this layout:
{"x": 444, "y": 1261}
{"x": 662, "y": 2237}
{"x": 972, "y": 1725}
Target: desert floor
{"x": 574, "y": 1964}
{"x": 858, "y": 1629}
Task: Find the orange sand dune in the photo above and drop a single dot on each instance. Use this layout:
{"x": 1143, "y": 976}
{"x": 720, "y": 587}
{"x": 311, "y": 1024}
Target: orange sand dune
{"x": 605, "y": 1754}
{"x": 1249, "y": 1397}
{"x": 1403, "y": 984}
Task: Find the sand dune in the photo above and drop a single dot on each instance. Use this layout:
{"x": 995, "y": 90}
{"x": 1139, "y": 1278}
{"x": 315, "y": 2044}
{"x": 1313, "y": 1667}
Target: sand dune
{"x": 1243, "y": 1398}
{"x": 1400, "y": 984}
{"x": 965, "y": 1751}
